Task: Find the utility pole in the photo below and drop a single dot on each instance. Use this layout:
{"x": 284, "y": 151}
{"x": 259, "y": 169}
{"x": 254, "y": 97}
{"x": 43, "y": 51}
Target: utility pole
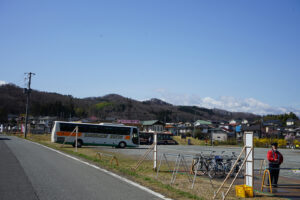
{"x": 27, "y": 91}
{"x": 194, "y": 124}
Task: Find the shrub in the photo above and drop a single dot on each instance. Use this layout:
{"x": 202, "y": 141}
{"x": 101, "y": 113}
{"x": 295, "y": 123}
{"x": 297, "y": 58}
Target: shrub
{"x": 266, "y": 142}
{"x": 188, "y": 134}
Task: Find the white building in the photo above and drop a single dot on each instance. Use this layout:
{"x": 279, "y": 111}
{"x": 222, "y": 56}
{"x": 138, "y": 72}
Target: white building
{"x": 245, "y": 121}
{"x": 153, "y": 126}
{"x": 219, "y": 135}
{"x": 290, "y": 122}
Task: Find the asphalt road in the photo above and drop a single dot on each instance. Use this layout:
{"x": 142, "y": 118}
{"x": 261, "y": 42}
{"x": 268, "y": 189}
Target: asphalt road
{"x": 30, "y": 172}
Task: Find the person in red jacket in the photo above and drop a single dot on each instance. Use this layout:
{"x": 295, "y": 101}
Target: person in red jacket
{"x": 275, "y": 159}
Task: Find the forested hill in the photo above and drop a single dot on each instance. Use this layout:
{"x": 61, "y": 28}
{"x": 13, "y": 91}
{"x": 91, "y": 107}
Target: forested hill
{"x": 12, "y": 101}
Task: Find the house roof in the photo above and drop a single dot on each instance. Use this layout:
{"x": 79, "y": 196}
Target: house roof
{"x": 272, "y": 122}
{"x": 256, "y": 127}
{"x": 236, "y": 120}
{"x": 218, "y": 131}
{"x": 151, "y": 122}
{"x": 290, "y": 120}
{"x": 202, "y": 122}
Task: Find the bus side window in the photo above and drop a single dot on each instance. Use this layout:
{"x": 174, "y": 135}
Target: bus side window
{"x": 67, "y": 127}
{"x": 93, "y": 129}
{"x": 109, "y": 130}
{"x": 81, "y": 128}
{"x": 100, "y": 129}
{"x": 127, "y": 131}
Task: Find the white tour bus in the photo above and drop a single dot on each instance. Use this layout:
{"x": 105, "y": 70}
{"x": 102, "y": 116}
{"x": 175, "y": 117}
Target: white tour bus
{"x": 95, "y": 134}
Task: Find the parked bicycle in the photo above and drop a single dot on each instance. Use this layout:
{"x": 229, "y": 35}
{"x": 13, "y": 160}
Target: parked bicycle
{"x": 203, "y": 162}
{"x": 222, "y": 165}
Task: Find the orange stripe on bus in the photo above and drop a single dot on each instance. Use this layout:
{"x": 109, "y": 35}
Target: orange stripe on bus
{"x": 127, "y": 137}
{"x": 65, "y": 133}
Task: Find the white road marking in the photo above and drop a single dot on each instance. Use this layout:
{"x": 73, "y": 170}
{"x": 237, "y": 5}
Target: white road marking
{"x": 107, "y": 172}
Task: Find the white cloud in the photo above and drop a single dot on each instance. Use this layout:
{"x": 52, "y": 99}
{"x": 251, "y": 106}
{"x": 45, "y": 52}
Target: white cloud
{"x": 234, "y": 104}
{"x": 2, "y": 83}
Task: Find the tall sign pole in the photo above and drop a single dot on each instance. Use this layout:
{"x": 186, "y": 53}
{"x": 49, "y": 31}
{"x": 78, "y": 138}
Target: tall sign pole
{"x": 27, "y": 91}
{"x": 249, "y": 169}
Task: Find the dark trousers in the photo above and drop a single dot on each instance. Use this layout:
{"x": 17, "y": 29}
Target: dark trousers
{"x": 274, "y": 173}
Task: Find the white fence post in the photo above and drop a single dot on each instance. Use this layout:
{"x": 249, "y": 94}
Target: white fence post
{"x": 76, "y": 137}
{"x": 155, "y": 152}
{"x": 249, "y": 162}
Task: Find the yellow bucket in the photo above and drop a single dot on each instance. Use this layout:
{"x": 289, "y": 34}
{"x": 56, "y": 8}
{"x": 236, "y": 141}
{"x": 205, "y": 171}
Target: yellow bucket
{"x": 244, "y": 191}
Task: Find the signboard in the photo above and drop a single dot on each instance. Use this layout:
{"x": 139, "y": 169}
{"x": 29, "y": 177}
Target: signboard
{"x": 249, "y": 168}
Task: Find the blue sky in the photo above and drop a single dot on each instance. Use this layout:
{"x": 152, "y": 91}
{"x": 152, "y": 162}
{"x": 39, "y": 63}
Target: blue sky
{"x": 235, "y": 55}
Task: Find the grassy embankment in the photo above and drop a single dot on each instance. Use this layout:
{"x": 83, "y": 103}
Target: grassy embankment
{"x": 144, "y": 174}
{"x": 194, "y": 141}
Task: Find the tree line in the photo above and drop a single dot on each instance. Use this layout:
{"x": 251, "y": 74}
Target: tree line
{"x": 13, "y": 100}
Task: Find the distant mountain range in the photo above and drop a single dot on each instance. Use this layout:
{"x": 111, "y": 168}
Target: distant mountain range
{"x": 12, "y": 101}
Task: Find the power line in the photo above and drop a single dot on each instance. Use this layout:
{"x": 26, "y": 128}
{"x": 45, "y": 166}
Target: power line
{"x": 27, "y": 91}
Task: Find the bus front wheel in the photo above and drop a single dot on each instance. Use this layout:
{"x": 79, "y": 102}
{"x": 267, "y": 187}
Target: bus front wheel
{"x": 122, "y": 145}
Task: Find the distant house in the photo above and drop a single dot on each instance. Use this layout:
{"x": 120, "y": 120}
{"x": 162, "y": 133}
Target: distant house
{"x": 46, "y": 120}
{"x": 203, "y": 126}
{"x": 42, "y": 124}
{"x": 272, "y": 128}
{"x": 245, "y": 121}
{"x": 153, "y": 126}
{"x": 218, "y": 134}
{"x": 290, "y": 122}
{"x": 238, "y": 130}
{"x": 234, "y": 122}
{"x": 219, "y": 123}
{"x": 184, "y": 128}
{"x": 11, "y": 117}
{"x": 170, "y": 127}
{"x": 297, "y": 130}
{"x": 187, "y": 124}
{"x": 273, "y": 131}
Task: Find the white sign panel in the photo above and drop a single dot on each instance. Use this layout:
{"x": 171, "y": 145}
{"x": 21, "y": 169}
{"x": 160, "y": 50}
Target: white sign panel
{"x": 249, "y": 162}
